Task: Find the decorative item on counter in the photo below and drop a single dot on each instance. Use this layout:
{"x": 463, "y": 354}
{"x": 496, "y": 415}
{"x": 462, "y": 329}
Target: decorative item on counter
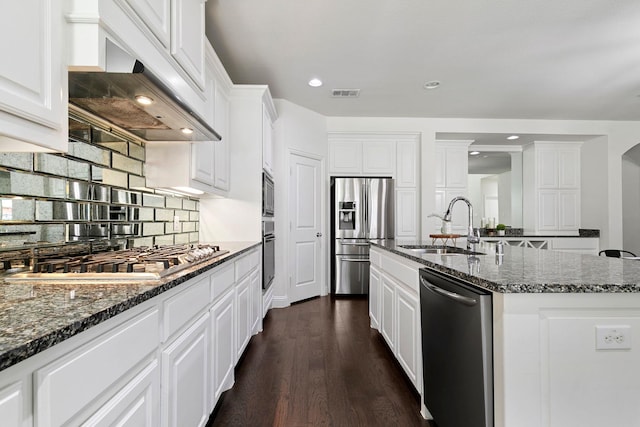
{"x": 501, "y": 228}
{"x": 483, "y": 222}
{"x": 492, "y": 223}
{"x": 445, "y": 228}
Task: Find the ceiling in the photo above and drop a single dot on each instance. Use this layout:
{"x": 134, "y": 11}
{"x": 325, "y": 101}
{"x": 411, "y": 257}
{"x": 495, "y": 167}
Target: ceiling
{"x": 543, "y": 59}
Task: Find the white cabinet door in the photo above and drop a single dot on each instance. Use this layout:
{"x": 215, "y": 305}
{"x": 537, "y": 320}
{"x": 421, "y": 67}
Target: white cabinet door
{"x": 569, "y": 168}
{"x": 222, "y": 348}
{"x": 188, "y": 37}
{"x": 547, "y": 167}
{"x": 185, "y": 372}
{"x": 387, "y": 306}
{"x": 406, "y": 213}
{"x": 156, "y": 14}
{"x": 345, "y": 157}
{"x": 406, "y": 164}
{"x": 243, "y": 302}
{"x": 440, "y": 166}
{"x": 256, "y": 302}
{"x": 203, "y": 162}
{"x": 407, "y": 316}
{"x": 267, "y": 141}
{"x": 548, "y": 209}
{"x": 137, "y": 404}
{"x": 221, "y": 148}
{"x": 374, "y": 297}
{"x": 13, "y": 402}
{"x": 33, "y": 78}
{"x": 457, "y": 170}
{"x": 378, "y": 158}
{"x": 568, "y": 206}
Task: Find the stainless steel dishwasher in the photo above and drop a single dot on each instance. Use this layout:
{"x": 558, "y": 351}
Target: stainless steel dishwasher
{"x": 457, "y": 350}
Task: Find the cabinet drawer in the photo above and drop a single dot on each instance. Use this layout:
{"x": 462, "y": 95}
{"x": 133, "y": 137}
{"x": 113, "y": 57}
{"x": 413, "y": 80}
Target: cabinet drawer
{"x": 186, "y": 305}
{"x": 404, "y": 273}
{"x": 246, "y": 264}
{"x": 69, "y": 384}
{"x": 221, "y": 281}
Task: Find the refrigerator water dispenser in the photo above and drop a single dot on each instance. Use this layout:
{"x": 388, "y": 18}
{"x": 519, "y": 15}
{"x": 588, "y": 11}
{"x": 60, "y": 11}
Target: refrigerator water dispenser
{"x": 347, "y": 216}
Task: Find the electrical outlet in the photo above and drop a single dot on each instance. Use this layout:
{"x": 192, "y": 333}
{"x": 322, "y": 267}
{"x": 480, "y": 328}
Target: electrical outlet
{"x": 613, "y": 337}
{"x": 176, "y": 223}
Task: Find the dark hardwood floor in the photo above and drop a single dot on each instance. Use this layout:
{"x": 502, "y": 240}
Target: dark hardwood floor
{"x": 317, "y": 363}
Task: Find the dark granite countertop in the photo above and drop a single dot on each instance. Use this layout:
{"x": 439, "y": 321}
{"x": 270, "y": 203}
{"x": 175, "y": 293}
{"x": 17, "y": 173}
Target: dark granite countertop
{"x": 527, "y": 270}
{"x": 37, "y": 315}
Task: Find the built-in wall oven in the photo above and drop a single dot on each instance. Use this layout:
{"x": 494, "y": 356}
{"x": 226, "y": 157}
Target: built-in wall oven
{"x": 268, "y": 253}
{"x": 267, "y": 195}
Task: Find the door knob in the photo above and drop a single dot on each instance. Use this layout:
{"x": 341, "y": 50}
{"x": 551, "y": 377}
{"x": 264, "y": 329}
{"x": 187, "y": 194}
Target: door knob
{"x": 318, "y": 234}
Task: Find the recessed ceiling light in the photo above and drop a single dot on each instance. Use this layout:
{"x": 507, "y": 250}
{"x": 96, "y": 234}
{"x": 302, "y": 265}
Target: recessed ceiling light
{"x": 512, "y": 137}
{"x": 315, "y": 82}
{"x": 144, "y": 100}
{"x": 433, "y": 84}
{"x": 187, "y": 131}
{"x": 474, "y": 153}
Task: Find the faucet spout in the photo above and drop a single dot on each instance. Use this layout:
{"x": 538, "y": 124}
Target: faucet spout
{"x": 472, "y": 237}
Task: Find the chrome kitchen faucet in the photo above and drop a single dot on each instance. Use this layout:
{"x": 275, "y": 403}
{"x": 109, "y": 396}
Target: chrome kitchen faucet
{"x": 473, "y": 236}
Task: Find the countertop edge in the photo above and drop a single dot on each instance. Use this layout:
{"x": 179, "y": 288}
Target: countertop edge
{"x": 44, "y": 342}
{"x": 517, "y": 288}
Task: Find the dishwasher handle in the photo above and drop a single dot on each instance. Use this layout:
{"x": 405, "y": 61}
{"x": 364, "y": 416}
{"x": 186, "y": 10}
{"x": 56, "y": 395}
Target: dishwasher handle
{"x": 448, "y": 294}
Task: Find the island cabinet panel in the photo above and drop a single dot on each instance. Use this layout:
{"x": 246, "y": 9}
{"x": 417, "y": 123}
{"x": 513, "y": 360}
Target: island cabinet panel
{"x": 186, "y": 373}
{"x": 548, "y": 367}
{"x": 399, "y": 312}
{"x": 12, "y": 404}
{"x": 374, "y": 296}
{"x": 63, "y": 388}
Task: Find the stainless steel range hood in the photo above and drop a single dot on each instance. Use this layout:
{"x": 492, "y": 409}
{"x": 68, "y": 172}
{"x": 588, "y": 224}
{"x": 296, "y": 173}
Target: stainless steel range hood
{"x": 116, "y": 96}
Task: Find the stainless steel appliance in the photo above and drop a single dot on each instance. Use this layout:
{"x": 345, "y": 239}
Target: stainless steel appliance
{"x": 129, "y": 96}
{"x": 141, "y": 263}
{"x": 362, "y": 209}
{"x": 268, "y": 192}
{"x": 268, "y": 253}
{"x": 457, "y": 348}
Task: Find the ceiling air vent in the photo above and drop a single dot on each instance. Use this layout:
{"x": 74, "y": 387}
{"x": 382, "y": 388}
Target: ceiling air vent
{"x": 345, "y": 93}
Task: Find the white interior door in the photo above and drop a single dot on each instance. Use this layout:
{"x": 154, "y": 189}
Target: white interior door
{"x": 305, "y": 216}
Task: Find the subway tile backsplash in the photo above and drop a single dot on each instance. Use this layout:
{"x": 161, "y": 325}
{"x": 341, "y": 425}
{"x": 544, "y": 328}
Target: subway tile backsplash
{"x": 95, "y": 191}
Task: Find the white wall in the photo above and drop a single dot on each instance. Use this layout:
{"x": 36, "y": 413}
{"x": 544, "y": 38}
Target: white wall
{"x": 302, "y": 131}
{"x": 619, "y": 136}
{"x": 630, "y": 206}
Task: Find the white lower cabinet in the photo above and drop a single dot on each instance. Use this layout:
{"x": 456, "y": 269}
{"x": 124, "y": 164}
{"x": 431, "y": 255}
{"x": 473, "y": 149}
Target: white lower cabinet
{"x": 12, "y": 404}
{"x": 386, "y": 312}
{"x": 163, "y": 363}
{"x": 185, "y": 374}
{"x": 407, "y": 320}
{"x": 222, "y": 343}
{"x": 394, "y": 307}
{"x": 243, "y": 295}
{"x": 374, "y": 297}
{"x": 137, "y": 404}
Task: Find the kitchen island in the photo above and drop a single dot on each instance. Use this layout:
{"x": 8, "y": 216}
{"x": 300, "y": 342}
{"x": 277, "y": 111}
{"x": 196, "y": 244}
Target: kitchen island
{"x": 73, "y": 352}
{"x": 548, "y": 307}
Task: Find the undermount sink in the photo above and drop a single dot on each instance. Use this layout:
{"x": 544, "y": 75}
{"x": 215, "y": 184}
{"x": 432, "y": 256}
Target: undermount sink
{"x": 439, "y": 250}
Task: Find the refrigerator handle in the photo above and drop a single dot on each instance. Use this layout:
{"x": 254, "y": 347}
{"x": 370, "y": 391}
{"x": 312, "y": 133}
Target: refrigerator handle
{"x": 365, "y": 192}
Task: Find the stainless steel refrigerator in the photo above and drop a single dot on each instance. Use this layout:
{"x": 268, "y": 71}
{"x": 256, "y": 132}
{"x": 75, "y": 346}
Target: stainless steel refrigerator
{"x": 361, "y": 209}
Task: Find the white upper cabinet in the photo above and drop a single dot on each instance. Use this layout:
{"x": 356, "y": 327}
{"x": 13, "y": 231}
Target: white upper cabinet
{"x": 33, "y": 77}
{"x": 221, "y": 175}
{"x": 267, "y": 140}
{"x": 407, "y": 163}
{"x": 156, "y": 14}
{"x": 345, "y": 157}
{"x": 551, "y": 176}
{"x": 378, "y": 158}
{"x": 188, "y": 37}
{"x": 452, "y": 160}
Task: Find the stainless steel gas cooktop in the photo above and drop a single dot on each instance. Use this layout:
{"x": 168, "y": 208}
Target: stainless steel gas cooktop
{"x": 143, "y": 263}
